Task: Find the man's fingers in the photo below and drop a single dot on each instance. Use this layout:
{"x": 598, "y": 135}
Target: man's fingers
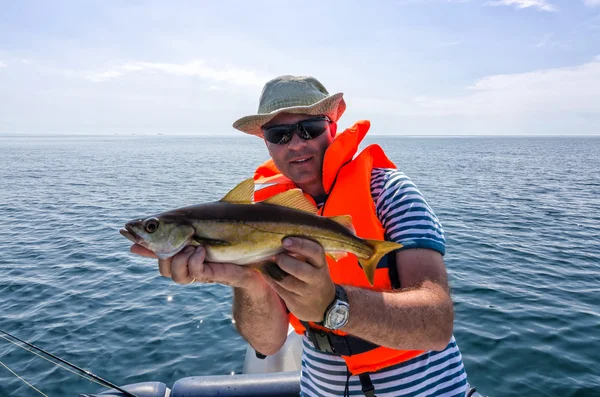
{"x": 313, "y": 251}
{"x": 164, "y": 267}
{"x": 296, "y": 267}
{"x": 198, "y": 256}
{"x": 228, "y": 274}
{"x": 189, "y": 265}
{"x": 180, "y": 272}
{"x": 293, "y": 285}
{"x": 197, "y": 268}
{"x": 289, "y": 297}
{"x": 139, "y": 250}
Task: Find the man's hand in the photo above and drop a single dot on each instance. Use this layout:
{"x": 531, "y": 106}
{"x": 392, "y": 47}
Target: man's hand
{"x": 189, "y": 266}
{"x": 308, "y": 289}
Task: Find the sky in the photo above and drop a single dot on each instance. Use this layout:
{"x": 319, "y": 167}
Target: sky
{"x": 412, "y": 67}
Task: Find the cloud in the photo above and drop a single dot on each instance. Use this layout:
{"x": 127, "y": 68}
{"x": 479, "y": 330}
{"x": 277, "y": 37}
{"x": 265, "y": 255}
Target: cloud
{"x": 408, "y": 2}
{"x": 568, "y": 90}
{"x": 102, "y": 76}
{"x": 215, "y": 88}
{"x": 548, "y": 41}
{"x": 123, "y": 97}
{"x": 592, "y": 3}
{"x": 198, "y": 69}
{"x": 2, "y": 64}
{"x": 540, "y": 4}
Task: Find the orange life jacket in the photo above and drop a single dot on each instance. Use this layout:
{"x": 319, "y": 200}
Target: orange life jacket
{"x": 347, "y": 183}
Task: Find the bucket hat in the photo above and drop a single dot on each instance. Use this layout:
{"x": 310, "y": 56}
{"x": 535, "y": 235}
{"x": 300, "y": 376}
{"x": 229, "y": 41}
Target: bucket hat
{"x": 292, "y": 94}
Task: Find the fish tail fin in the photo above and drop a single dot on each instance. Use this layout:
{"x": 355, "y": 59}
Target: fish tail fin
{"x": 380, "y": 248}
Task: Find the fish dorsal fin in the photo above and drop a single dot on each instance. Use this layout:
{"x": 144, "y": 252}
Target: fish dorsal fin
{"x": 293, "y": 198}
{"x": 242, "y": 193}
{"x": 344, "y": 220}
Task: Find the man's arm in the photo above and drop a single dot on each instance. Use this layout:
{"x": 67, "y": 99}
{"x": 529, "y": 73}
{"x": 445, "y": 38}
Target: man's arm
{"x": 420, "y": 316}
{"x": 421, "y": 312}
{"x": 260, "y": 315}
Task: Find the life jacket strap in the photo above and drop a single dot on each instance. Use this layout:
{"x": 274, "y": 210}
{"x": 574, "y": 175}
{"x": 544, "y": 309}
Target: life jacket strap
{"x": 346, "y": 345}
{"x": 367, "y": 385}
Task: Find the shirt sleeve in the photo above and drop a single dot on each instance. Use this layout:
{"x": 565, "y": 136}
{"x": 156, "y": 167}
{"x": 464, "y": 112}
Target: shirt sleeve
{"x": 404, "y": 213}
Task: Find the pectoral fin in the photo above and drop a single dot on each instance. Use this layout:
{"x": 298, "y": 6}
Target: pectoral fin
{"x": 208, "y": 241}
{"x": 273, "y": 270}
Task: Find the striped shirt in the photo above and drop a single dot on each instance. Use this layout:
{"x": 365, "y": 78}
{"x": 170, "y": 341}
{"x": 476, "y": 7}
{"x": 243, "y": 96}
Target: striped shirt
{"x": 407, "y": 219}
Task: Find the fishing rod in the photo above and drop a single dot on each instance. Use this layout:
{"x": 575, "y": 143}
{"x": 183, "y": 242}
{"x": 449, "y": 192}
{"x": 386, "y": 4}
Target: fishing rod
{"x": 88, "y": 373}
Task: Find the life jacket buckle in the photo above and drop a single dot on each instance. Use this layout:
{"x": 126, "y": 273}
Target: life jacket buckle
{"x": 321, "y": 340}
{"x": 347, "y": 345}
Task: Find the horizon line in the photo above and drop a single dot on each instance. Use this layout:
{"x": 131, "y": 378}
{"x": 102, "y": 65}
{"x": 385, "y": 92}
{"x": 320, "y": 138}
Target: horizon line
{"x": 244, "y": 136}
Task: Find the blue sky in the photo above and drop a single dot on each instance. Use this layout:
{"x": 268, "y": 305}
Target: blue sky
{"x": 413, "y": 67}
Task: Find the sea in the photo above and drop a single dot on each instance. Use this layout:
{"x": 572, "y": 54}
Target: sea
{"x": 521, "y": 217}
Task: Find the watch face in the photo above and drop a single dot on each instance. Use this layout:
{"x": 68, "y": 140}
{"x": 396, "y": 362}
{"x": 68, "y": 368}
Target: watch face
{"x": 338, "y": 315}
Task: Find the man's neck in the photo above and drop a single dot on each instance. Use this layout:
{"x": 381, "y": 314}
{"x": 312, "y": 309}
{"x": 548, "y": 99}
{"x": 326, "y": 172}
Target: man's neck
{"x": 316, "y": 190}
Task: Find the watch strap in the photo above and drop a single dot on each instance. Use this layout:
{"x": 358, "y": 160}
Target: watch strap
{"x": 340, "y": 293}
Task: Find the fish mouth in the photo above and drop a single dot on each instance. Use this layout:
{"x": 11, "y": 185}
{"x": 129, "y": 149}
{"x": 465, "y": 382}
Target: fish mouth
{"x": 130, "y": 235}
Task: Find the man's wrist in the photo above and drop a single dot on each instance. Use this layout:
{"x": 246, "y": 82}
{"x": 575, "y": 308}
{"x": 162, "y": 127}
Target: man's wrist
{"x": 254, "y": 286}
{"x": 337, "y": 312}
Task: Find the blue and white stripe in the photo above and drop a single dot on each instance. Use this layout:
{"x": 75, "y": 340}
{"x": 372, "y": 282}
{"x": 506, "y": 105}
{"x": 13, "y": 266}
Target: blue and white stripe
{"x": 430, "y": 374}
{"x": 403, "y": 211}
{"x": 407, "y": 219}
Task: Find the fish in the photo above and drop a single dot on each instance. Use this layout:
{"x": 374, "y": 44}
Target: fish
{"x": 237, "y": 230}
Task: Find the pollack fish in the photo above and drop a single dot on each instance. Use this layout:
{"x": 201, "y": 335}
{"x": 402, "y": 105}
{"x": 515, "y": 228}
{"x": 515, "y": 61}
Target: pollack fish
{"x": 237, "y": 230}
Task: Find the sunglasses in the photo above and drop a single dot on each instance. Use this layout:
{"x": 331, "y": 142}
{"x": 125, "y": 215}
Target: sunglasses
{"x": 306, "y": 129}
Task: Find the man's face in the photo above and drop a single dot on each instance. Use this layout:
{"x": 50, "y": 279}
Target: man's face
{"x": 300, "y": 160}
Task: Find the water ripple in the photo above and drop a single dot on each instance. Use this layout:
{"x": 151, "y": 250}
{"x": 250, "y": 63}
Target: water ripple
{"x": 521, "y": 216}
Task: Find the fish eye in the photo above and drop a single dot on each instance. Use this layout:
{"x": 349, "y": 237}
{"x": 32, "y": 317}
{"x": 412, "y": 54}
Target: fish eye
{"x": 150, "y": 225}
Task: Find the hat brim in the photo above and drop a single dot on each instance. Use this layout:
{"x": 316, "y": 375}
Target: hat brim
{"x": 332, "y": 106}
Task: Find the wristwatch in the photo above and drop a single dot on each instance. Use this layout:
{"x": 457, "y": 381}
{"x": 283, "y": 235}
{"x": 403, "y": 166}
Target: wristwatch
{"x": 336, "y": 314}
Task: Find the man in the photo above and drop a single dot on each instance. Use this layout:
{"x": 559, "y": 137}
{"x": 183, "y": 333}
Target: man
{"x": 392, "y": 338}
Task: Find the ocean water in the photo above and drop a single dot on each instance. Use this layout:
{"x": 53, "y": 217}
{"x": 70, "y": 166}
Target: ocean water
{"x": 521, "y": 215}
